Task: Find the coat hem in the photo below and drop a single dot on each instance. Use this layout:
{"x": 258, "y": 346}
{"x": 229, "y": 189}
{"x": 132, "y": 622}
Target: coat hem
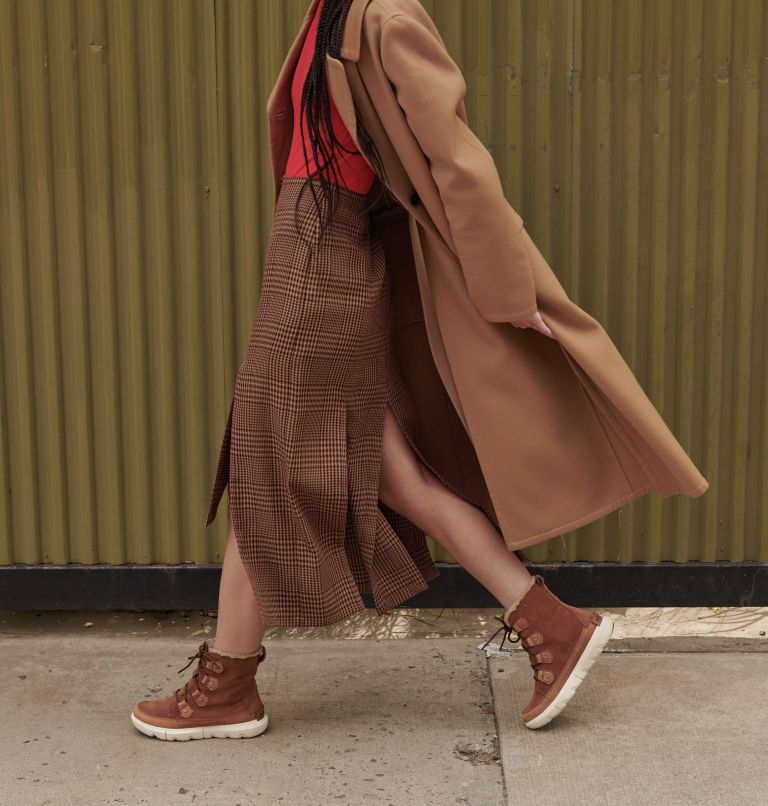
{"x": 583, "y": 519}
{"x": 615, "y": 504}
{"x": 698, "y": 490}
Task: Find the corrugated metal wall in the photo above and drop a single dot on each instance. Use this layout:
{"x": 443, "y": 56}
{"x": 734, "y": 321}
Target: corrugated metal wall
{"x": 632, "y": 136}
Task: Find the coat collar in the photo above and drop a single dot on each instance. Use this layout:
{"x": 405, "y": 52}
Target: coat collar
{"x": 353, "y": 27}
{"x": 279, "y": 106}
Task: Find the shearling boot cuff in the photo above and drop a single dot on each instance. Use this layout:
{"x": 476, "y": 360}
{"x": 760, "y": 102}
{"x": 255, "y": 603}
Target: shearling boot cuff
{"x": 212, "y": 648}
{"x": 510, "y": 609}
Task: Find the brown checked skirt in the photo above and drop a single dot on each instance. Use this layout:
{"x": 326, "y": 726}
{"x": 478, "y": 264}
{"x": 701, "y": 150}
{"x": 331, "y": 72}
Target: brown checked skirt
{"x": 301, "y": 450}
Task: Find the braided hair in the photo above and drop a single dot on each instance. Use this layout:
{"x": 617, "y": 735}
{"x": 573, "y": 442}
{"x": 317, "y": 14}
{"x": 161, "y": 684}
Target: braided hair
{"x": 316, "y": 110}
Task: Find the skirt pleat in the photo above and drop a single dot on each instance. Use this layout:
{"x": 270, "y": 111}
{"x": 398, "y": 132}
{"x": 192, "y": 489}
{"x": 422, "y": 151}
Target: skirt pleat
{"x": 301, "y": 450}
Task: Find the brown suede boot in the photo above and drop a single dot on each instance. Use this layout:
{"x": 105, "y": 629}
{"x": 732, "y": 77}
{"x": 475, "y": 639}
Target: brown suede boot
{"x": 562, "y": 644}
{"x": 220, "y": 700}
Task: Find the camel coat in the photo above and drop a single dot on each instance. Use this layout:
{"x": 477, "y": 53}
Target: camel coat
{"x": 545, "y": 434}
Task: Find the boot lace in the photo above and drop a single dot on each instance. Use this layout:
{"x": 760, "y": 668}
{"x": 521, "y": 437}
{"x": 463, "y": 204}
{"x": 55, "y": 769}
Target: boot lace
{"x": 536, "y": 659}
{"x": 507, "y": 632}
{"x": 203, "y": 655}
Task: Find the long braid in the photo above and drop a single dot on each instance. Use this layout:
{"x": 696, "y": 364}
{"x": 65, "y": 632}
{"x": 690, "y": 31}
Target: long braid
{"x": 315, "y": 110}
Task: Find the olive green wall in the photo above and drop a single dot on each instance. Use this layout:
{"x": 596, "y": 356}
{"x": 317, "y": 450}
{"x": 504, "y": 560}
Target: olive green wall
{"x": 135, "y": 190}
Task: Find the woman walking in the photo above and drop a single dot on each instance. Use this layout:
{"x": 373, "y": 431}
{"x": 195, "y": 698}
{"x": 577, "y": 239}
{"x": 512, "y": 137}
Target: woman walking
{"x": 398, "y": 288}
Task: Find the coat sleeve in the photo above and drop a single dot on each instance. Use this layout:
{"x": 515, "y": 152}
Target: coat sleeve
{"x": 485, "y": 229}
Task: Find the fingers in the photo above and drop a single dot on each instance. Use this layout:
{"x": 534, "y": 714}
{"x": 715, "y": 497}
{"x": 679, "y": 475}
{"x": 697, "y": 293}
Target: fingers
{"x": 544, "y": 327}
{"x": 537, "y": 323}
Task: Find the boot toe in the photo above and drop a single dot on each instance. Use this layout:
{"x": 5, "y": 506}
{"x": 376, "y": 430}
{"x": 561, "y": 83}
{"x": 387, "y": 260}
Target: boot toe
{"x": 152, "y": 710}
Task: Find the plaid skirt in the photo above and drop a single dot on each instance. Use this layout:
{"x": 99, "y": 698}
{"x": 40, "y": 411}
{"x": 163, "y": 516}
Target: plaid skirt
{"x": 301, "y": 450}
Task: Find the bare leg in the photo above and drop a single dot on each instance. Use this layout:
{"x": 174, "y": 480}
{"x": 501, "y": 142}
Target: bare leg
{"x": 239, "y": 628}
{"x": 410, "y": 488}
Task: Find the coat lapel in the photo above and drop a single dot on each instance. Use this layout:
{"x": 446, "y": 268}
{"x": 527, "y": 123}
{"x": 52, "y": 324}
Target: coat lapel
{"x": 336, "y": 74}
{"x": 338, "y": 86}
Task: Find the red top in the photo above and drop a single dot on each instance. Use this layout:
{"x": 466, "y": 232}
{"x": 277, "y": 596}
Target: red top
{"x": 353, "y": 171}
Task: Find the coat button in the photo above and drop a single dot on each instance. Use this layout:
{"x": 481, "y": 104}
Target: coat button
{"x": 414, "y": 198}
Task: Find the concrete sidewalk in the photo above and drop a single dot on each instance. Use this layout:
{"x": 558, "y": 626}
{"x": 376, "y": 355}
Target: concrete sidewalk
{"x": 642, "y": 729}
{"x": 402, "y": 709}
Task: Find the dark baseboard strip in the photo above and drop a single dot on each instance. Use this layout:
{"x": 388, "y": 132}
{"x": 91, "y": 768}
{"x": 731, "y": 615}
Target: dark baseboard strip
{"x": 583, "y": 584}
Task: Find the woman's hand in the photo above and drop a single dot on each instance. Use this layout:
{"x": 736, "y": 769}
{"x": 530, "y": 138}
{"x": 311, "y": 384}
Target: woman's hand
{"x": 537, "y": 323}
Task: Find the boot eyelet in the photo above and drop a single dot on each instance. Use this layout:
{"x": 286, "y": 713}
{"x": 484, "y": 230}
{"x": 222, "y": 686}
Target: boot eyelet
{"x": 544, "y": 657}
{"x": 520, "y": 624}
{"x": 545, "y": 676}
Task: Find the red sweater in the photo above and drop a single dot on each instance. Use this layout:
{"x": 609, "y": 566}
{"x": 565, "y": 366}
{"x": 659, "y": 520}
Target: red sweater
{"x": 354, "y": 172}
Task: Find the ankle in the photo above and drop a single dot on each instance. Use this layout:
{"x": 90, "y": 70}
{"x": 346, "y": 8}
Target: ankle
{"x": 510, "y": 609}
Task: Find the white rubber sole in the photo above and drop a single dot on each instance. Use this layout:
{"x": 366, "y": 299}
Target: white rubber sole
{"x": 591, "y": 653}
{"x": 238, "y": 730}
